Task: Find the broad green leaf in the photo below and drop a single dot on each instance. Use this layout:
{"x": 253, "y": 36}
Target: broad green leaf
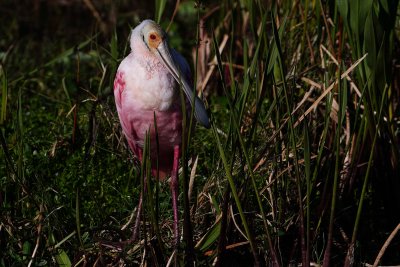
{"x": 114, "y": 46}
{"x": 380, "y": 72}
{"x": 274, "y": 48}
{"x": 61, "y": 256}
{"x": 385, "y": 5}
{"x": 215, "y": 204}
{"x": 364, "y": 9}
{"x": 353, "y": 16}
{"x": 26, "y": 249}
{"x": 343, "y": 7}
{"x": 210, "y": 237}
{"x": 369, "y": 42}
{"x": 62, "y": 259}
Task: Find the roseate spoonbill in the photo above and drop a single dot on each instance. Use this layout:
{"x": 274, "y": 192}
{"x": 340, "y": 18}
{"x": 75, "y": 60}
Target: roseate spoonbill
{"x": 147, "y": 82}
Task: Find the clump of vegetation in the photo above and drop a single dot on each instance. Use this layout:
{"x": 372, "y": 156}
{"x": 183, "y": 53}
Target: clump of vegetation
{"x": 301, "y": 164}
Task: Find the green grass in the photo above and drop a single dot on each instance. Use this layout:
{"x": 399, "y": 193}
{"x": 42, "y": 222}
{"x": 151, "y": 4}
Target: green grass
{"x": 301, "y": 164}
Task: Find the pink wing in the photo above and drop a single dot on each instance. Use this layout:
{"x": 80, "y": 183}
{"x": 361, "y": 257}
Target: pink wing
{"x": 119, "y": 86}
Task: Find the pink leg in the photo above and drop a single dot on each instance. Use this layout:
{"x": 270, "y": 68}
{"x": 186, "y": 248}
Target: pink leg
{"x": 174, "y": 190}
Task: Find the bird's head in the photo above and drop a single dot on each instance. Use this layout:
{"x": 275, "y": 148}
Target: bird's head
{"x": 148, "y": 38}
{"x": 151, "y": 37}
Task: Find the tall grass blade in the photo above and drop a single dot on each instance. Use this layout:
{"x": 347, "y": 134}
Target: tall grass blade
{"x": 148, "y": 186}
{"x": 58, "y": 58}
{"x": 341, "y": 112}
{"x": 77, "y": 217}
{"x": 228, "y": 173}
{"x": 280, "y": 65}
{"x": 4, "y": 96}
{"x": 160, "y": 6}
{"x": 350, "y": 252}
{"x": 235, "y": 121}
{"x": 187, "y": 227}
{"x": 20, "y": 127}
{"x": 307, "y": 166}
{"x": 369, "y": 43}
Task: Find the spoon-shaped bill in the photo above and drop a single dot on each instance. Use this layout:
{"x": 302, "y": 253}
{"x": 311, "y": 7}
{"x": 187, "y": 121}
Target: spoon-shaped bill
{"x": 200, "y": 112}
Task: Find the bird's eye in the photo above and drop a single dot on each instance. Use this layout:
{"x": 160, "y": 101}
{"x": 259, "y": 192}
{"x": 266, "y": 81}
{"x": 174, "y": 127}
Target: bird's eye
{"x": 153, "y": 39}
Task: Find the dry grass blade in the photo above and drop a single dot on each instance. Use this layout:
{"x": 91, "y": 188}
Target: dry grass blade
{"x": 385, "y": 245}
{"x": 235, "y": 223}
{"x": 322, "y": 96}
{"x": 214, "y": 62}
{"x": 192, "y": 176}
{"x": 39, "y": 218}
{"x": 352, "y": 84}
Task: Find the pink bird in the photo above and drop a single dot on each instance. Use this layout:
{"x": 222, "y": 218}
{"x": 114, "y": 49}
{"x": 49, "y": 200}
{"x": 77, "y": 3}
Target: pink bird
{"x": 147, "y": 82}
